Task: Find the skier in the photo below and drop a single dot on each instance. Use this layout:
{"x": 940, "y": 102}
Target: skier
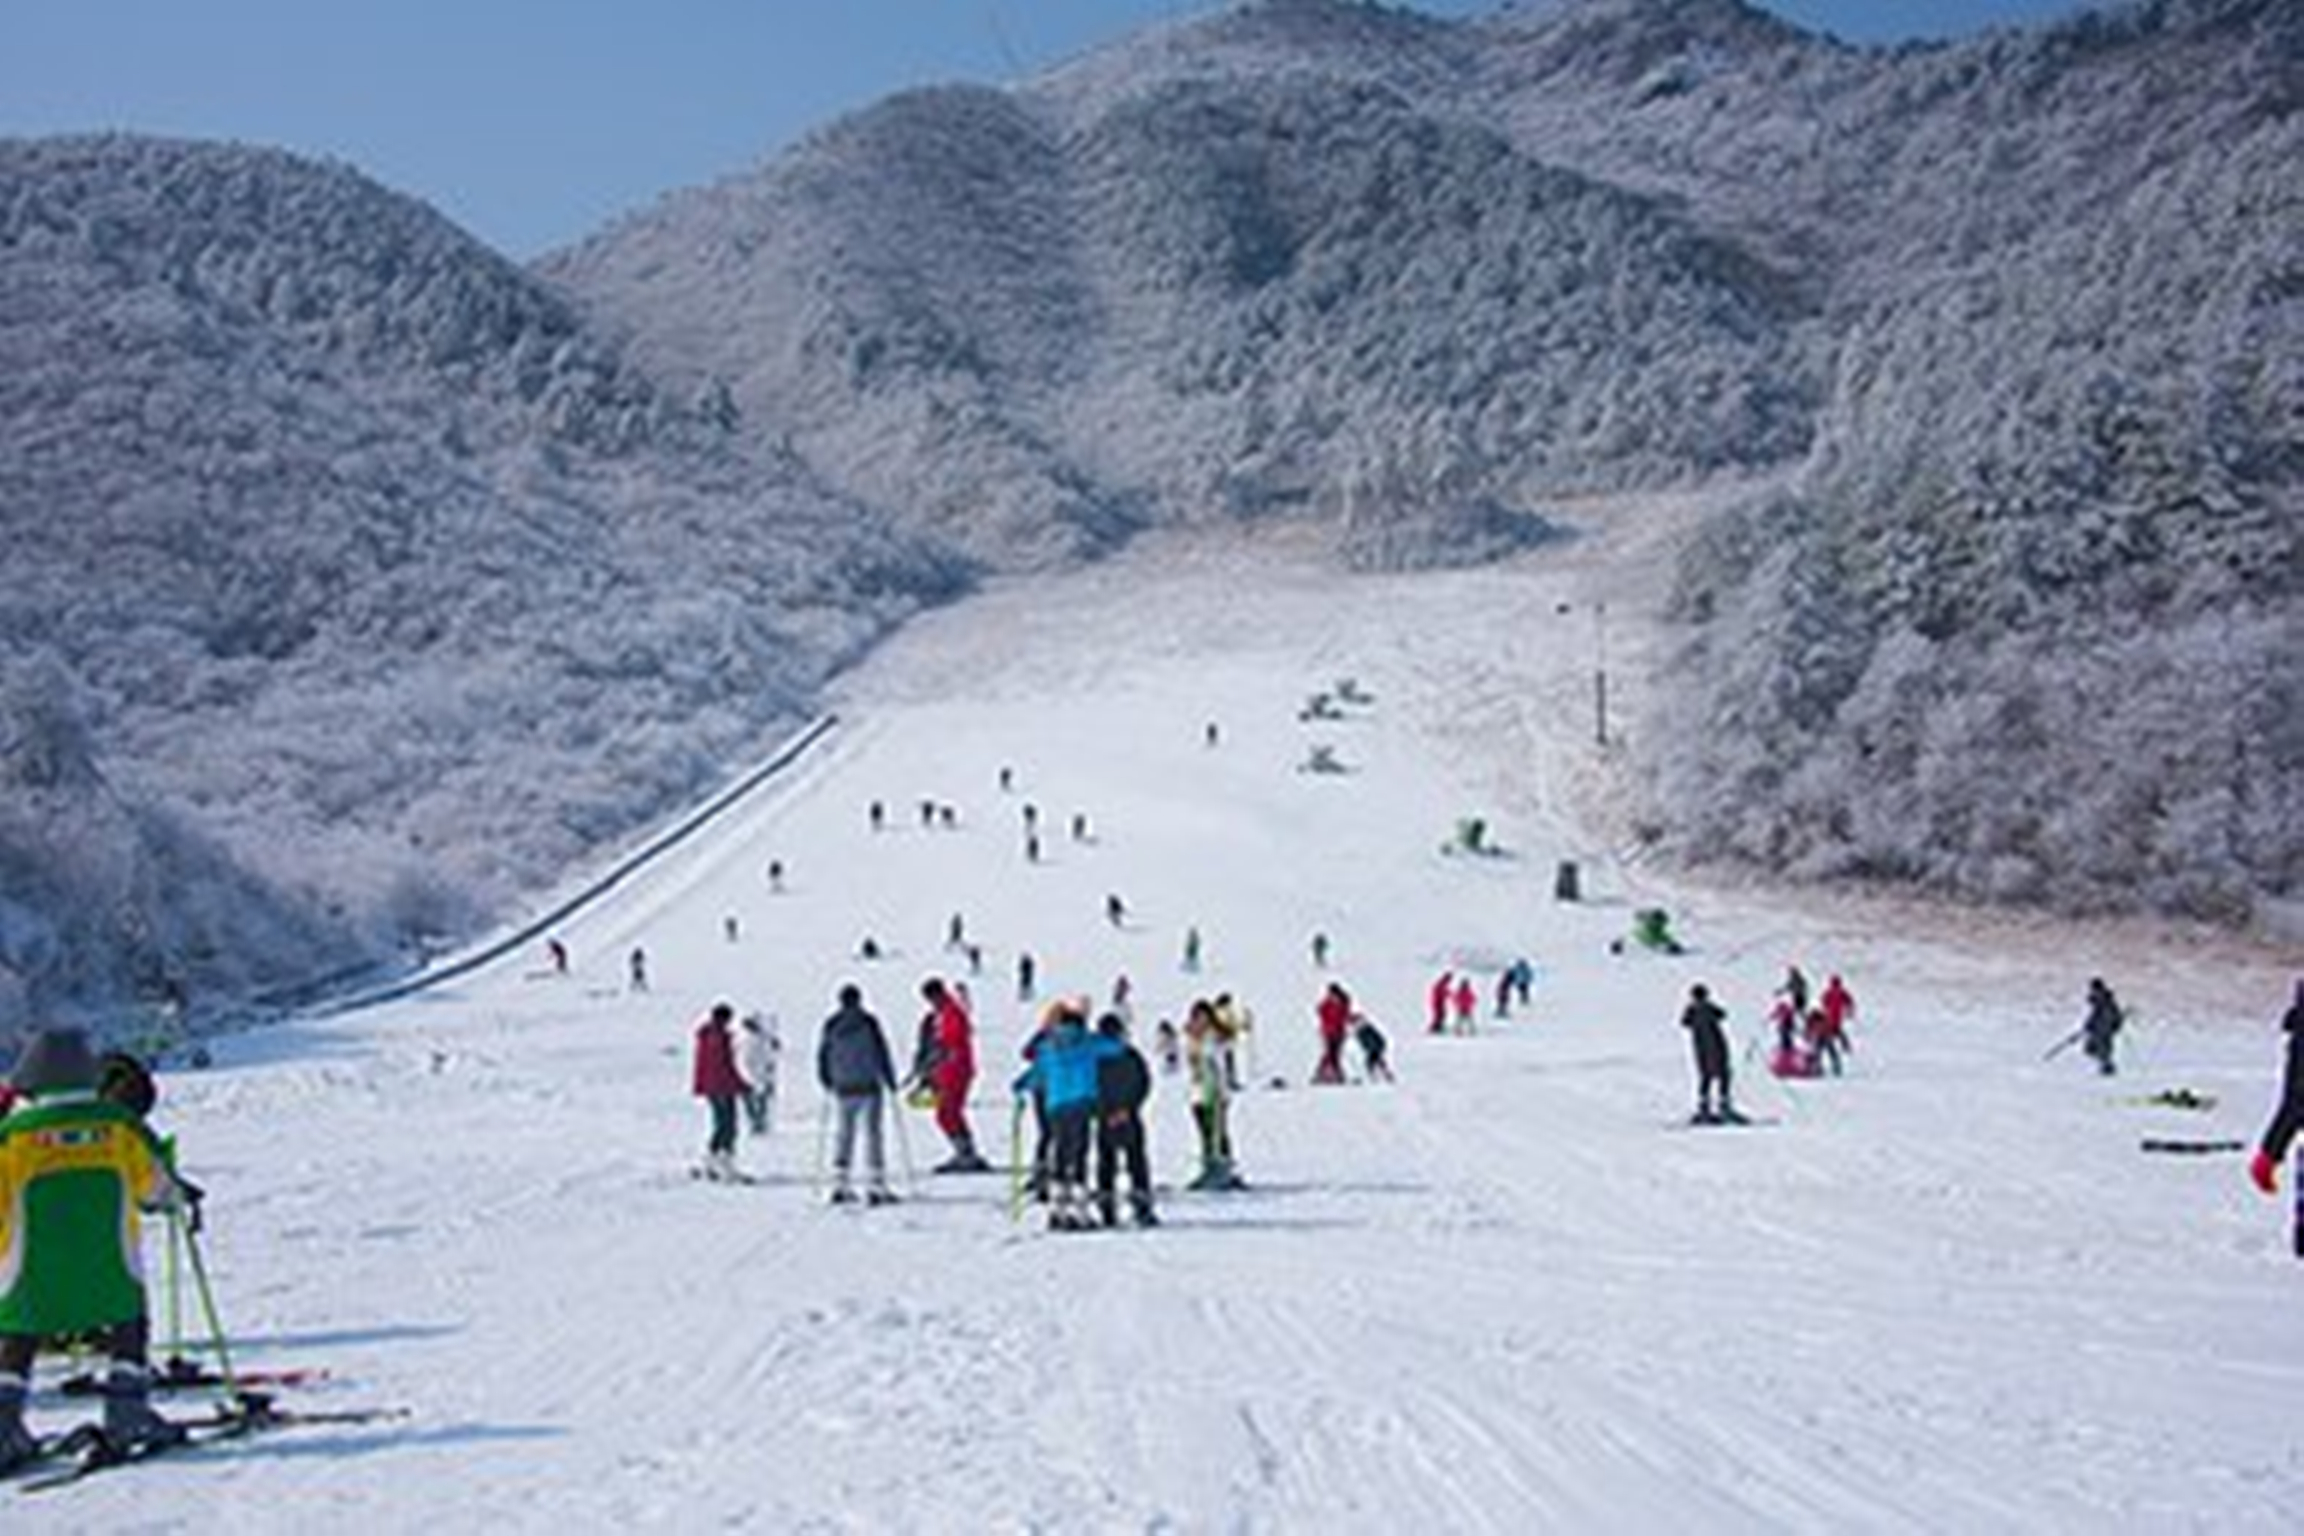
{"x": 1789, "y": 1059}
{"x": 1210, "y": 734}
{"x": 1124, "y": 998}
{"x": 1467, "y": 1005}
{"x": 1062, "y": 1078}
{"x": 956, "y": 932}
{"x": 1795, "y": 991}
{"x": 716, "y": 1081}
{"x": 1192, "y": 950}
{"x": 1007, "y": 780}
{"x": 1319, "y": 951}
{"x": 1204, "y": 1056}
{"x": 776, "y": 875}
{"x": 1170, "y": 1045}
{"x": 877, "y": 814}
{"x": 1235, "y": 1036}
{"x": 1702, "y": 1018}
{"x": 948, "y": 1036}
{"x": 1835, "y": 1006}
{"x": 730, "y": 929}
{"x": 1026, "y": 973}
{"x": 1123, "y": 1083}
{"x": 1079, "y": 826}
{"x": 759, "y": 1047}
{"x": 2102, "y": 1025}
{"x": 2287, "y": 1119}
{"x": 76, "y": 1169}
{"x": 1335, "y": 1016}
{"x": 636, "y": 969}
{"x": 1373, "y": 1048}
{"x": 1443, "y": 988}
{"x": 1521, "y": 977}
{"x": 1115, "y": 911}
{"x": 559, "y": 956}
{"x": 853, "y": 1065}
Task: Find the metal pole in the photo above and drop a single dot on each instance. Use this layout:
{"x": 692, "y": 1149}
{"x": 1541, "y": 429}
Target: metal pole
{"x": 1600, "y": 673}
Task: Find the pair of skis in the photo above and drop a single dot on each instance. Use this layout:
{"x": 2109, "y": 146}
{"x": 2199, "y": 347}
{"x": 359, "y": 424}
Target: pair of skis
{"x": 87, "y": 1451}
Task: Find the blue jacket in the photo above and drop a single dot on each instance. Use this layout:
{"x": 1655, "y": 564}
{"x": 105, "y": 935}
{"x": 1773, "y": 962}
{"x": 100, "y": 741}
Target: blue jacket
{"x": 1063, "y": 1070}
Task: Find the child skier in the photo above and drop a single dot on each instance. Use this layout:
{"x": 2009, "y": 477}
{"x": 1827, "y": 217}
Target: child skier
{"x": 2287, "y": 1119}
{"x": 1123, "y": 1083}
{"x": 853, "y": 1066}
{"x": 1373, "y": 1048}
{"x": 716, "y": 1081}
{"x": 759, "y": 1047}
{"x": 75, "y": 1171}
{"x": 1062, "y": 1076}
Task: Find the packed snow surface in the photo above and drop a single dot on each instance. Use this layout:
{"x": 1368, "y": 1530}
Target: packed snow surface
{"x": 1510, "y": 1292}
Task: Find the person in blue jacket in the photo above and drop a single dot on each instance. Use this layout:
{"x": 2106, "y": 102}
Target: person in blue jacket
{"x": 1063, "y": 1078}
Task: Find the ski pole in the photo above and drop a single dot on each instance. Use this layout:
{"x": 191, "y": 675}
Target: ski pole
{"x": 174, "y": 1275}
{"x": 1016, "y": 1160}
{"x": 232, "y": 1390}
{"x": 904, "y": 1147}
{"x": 2065, "y": 1044}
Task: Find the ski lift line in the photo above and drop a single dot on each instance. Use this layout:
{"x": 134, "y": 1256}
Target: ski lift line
{"x": 639, "y": 859}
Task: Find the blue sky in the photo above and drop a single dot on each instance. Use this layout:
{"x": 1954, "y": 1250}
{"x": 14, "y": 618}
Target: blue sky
{"x": 533, "y": 122}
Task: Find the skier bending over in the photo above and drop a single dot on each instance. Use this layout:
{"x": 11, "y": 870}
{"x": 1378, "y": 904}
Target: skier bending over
{"x": 2287, "y": 1119}
{"x": 75, "y": 1171}
{"x": 1703, "y": 1018}
{"x": 853, "y": 1066}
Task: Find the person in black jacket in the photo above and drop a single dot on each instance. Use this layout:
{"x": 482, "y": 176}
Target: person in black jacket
{"x": 1703, "y": 1018}
{"x": 853, "y": 1065}
{"x": 2101, "y": 1027}
{"x": 1123, "y": 1083}
{"x": 2287, "y": 1118}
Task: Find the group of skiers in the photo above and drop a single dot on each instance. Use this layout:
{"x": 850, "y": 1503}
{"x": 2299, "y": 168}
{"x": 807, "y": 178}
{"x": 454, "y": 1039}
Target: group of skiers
{"x": 1811, "y": 1036}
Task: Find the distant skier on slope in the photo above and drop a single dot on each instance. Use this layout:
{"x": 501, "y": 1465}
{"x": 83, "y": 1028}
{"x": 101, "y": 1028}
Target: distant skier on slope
{"x": 1835, "y": 1006}
{"x": 75, "y": 1171}
{"x": 1443, "y": 989}
{"x": 1703, "y": 1019}
{"x": 1334, "y": 1014}
{"x": 2101, "y": 1028}
{"x": 2287, "y": 1120}
{"x": 715, "y": 1079}
{"x": 854, "y": 1067}
{"x": 1467, "y": 1004}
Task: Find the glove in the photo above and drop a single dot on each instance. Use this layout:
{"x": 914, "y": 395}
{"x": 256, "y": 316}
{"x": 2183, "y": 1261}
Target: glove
{"x": 2265, "y": 1172}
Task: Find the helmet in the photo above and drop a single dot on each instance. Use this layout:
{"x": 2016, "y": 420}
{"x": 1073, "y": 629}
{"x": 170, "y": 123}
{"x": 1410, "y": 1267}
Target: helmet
{"x": 56, "y": 1061}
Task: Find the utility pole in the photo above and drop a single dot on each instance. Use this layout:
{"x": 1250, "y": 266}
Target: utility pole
{"x": 1600, "y": 674}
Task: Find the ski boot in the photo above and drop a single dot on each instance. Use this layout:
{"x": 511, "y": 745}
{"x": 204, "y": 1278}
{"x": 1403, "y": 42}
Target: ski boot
{"x": 842, "y": 1194}
{"x": 130, "y": 1421}
{"x": 880, "y": 1194}
{"x": 965, "y": 1158}
{"x": 1141, "y": 1206}
{"x": 18, "y": 1445}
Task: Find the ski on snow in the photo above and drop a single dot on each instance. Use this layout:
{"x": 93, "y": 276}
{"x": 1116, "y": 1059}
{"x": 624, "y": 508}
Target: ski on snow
{"x": 86, "y": 1451}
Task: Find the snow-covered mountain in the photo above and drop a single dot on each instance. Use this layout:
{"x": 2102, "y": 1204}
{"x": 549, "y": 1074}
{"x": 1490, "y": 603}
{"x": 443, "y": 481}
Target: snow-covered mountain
{"x": 368, "y": 578}
{"x": 2011, "y": 325}
{"x": 334, "y": 545}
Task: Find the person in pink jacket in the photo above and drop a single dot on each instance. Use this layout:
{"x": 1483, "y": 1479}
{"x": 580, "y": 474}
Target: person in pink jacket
{"x": 717, "y": 1082}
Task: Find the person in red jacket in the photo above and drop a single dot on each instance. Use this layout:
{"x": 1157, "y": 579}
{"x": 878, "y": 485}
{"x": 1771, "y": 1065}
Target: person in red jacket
{"x": 2287, "y": 1118}
{"x": 1443, "y": 991}
{"x": 717, "y": 1082}
{"x": 948, "y": 1068}
{"x": 1335, "y": 1015}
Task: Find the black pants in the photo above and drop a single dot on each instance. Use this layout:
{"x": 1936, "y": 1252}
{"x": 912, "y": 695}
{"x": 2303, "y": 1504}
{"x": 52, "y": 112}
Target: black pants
{"x": 130, "y": 1342}
{"x": 723, "y": 1123}
{"x": 1068, "y": 1129}
{"x": 1119, "y": 1140}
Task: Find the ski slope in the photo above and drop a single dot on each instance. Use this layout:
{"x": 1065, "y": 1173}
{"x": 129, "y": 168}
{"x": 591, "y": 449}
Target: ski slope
{"x": 1511, "y": 1293}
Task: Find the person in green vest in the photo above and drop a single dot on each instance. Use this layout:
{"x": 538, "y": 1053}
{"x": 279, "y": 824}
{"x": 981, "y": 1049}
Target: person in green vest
{"x": 77, "y": 1169}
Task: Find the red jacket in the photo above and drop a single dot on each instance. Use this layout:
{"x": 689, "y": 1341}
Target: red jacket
{"x": 716, "y": 1074}
{"x": 1335, "y": 1014}
{"x": 955, "y": 1041}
